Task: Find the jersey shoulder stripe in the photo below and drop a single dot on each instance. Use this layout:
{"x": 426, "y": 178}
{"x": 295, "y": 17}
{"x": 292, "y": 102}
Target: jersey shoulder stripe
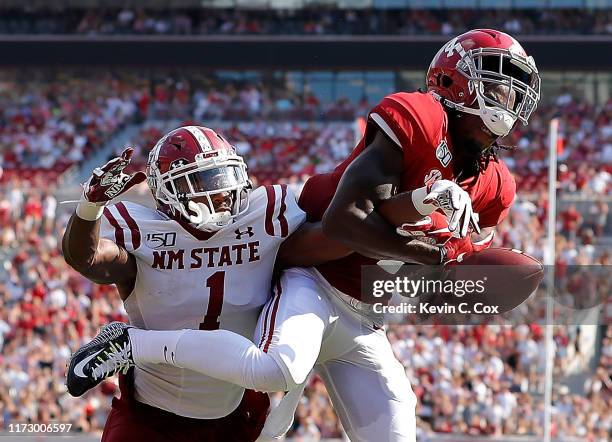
{"x": 126, "y": 221}
{"x": 119, "y": 237}
{"x": 276, "y": 208}
{"x": 271, "y": 200}
{"x": 131, "y": 223}
{"x": 284, "y": 227}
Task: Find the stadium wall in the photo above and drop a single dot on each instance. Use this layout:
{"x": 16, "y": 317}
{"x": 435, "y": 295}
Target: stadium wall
{"x": 584, "y": 53}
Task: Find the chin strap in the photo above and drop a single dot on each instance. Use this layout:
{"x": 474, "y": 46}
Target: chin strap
{"x": 498, "y": 121}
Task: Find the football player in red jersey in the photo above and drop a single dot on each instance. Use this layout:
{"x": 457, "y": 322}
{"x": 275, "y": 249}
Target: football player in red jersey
{"x": 479, "y": 86}
{"x": 435, "y": 151}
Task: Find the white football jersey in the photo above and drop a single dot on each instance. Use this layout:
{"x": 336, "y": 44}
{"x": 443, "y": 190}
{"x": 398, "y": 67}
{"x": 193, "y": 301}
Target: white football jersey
{"x": 186, "y": 282}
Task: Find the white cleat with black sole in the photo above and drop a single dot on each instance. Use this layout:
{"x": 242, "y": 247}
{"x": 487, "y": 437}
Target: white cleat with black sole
{"x": 109, "y": 353}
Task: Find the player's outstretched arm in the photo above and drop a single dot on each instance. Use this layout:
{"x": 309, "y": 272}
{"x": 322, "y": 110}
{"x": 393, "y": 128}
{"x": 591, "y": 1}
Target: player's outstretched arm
{"x": 101, "y": 260}
{"x": 372, "y": 177}
{"x": 309, "y": 246}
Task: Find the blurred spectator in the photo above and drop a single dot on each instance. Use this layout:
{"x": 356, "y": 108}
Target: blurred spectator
{"x": 479, "y": 380}
{"x": 571, "y": 219}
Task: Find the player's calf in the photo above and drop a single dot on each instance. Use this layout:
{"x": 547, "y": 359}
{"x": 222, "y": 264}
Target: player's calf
{"x": 220, "y": 354}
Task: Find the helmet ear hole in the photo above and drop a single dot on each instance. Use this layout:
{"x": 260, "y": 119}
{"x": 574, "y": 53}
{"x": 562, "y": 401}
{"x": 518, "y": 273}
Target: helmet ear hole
{"x": 445, "y": 81}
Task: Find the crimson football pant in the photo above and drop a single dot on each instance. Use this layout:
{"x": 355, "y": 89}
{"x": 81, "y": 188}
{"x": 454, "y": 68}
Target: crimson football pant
{"x": 133, "y": 421}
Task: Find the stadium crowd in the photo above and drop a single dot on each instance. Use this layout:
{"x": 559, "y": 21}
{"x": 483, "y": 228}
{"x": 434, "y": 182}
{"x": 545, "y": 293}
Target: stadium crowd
{"x": 302, "y": 21}
{"x": 46, "y": 126}
{"x": 286, "y": 151}
{"x": 46, "y": 310}
{"x": 478, "y": 380}
{"x": 50, "y": 125}
{"x": 487, "y": 380}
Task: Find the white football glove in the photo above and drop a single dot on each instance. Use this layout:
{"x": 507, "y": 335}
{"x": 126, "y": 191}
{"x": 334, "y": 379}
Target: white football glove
{"x": 452, "y": 200}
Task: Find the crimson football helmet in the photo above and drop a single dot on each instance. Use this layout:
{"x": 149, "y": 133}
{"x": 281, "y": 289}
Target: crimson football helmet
{"x": 469, "y": 72}
{"x": 192, "y": 162}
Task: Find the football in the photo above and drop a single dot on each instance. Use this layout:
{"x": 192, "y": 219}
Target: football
{"x": 507, "y": 277}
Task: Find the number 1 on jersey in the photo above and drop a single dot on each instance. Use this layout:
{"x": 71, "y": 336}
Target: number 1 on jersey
{"x": 216, "y": 284}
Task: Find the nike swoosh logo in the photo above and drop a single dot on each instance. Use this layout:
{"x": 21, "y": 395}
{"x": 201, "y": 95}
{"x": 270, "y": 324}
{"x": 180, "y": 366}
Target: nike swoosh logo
{"x": 78, "y": 370}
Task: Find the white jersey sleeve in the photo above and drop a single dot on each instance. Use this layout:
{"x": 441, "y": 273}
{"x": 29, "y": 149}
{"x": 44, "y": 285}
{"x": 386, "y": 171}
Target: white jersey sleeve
{"x": 120, "y": 226}
{"x": 283, "y": 215}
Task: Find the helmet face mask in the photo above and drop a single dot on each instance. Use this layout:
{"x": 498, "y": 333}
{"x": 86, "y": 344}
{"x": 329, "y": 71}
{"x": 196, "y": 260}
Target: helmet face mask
{"x": 185, "y": 178}
{"x": 465, "y": 79}
{"x": 518, "y": 74}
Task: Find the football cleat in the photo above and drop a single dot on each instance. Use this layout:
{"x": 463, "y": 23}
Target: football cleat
{"x": 109, "y": 353}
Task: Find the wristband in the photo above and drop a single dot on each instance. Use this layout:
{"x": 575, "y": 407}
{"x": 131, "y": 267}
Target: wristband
{"x": 89, "y": 211}
{"x": 418, "y": 195}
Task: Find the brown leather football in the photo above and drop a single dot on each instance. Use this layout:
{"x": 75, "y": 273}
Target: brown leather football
{"x": 502, "y": 277}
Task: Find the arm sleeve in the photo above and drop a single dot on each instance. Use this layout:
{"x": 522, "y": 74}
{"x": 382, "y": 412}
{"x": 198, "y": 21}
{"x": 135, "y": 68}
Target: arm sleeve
{"x": 283, "y": 215}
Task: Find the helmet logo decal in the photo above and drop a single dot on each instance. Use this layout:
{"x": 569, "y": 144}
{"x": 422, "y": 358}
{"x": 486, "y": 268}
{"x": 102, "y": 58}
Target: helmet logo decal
{"x": 515, "y": 47}
{"x": 178, "y": 163}
{"x": 453, "y": 46}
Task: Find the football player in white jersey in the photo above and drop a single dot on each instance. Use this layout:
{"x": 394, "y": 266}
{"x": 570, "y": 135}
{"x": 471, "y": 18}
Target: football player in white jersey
{"x": 203, "y": 260}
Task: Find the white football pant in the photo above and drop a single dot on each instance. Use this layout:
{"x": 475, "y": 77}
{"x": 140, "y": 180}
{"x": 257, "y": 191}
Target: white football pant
{"x": 307, "y": 325}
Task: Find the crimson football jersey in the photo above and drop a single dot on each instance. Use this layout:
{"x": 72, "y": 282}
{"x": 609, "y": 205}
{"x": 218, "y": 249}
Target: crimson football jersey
{"x": 418, "y": 124}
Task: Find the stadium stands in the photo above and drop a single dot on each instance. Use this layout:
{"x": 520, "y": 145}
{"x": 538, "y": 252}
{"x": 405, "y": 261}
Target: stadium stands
{"x": 47, "y": 126}
{"x": 479, "y": 380}
{"x": 50, "y": 124}
{"x": 486, "y": 380}
{"x": 383, "y": 21}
